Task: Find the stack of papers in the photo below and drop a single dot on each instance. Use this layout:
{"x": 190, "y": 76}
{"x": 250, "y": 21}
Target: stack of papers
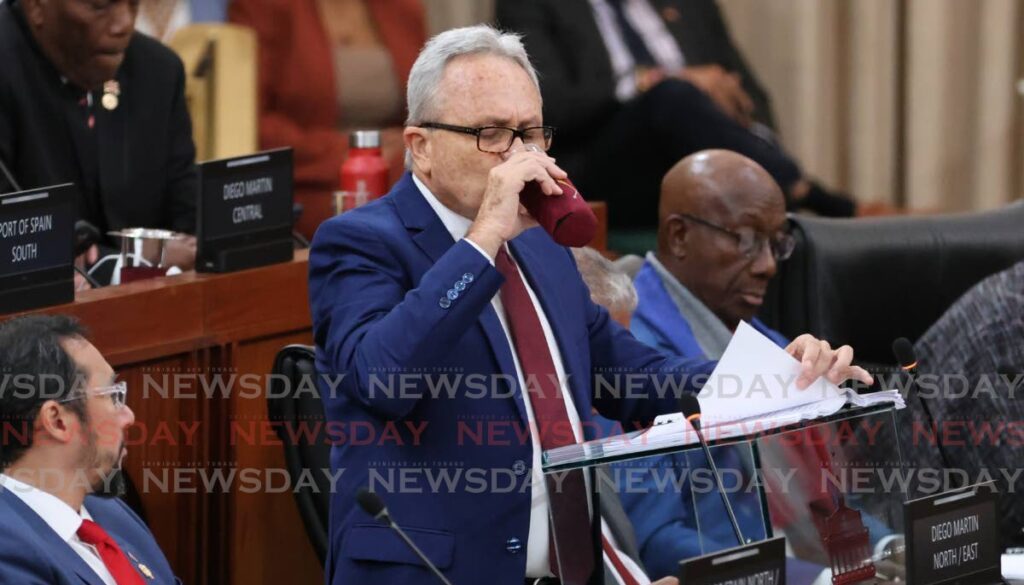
{"x": 752, "y": 390}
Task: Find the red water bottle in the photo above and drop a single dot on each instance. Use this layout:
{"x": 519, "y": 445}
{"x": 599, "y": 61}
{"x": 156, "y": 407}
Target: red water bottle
{"x": 364, "y": 174}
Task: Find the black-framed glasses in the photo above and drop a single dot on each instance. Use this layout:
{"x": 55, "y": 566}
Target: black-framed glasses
{"x": 498, "y": 139}
{"x": 750, "y": 242}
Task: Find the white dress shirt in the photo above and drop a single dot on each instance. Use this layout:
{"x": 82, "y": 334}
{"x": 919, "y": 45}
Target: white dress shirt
{"x": 537, "y": 561}
{"x": 651, "y": 28}
{"x": 62, "y": 519}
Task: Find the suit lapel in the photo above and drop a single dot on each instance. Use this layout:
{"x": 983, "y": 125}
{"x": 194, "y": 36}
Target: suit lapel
{"x": 135, "y": 557}
{"x": 50, "y": 544}
{"x": 430, "y": 235}
{"x": 113, "y": 154}
{"x": 418, "y": 217}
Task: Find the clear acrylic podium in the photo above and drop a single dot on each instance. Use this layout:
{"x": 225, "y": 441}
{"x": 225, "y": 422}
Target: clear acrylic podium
{"x": 833, "y": 487}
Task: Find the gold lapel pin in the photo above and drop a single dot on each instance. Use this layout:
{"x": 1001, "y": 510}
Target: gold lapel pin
{"x": 145, "y": 571}
{"x": 111, "y": 94}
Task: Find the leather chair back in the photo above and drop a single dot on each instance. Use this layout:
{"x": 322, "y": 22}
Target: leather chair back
{"x": 294, "y": 403}
{"x": 866, "y": 282}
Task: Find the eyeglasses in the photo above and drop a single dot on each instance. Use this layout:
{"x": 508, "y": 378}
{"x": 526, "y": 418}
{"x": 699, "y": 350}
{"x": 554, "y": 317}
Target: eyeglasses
{"x": 749, "y": 242}
{"x": 498, "y": 139}
{"x": 118, "y": 394}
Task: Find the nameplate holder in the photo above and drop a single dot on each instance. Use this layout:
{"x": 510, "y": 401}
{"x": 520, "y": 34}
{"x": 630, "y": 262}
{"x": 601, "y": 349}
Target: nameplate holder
{"x": 762, "y": 562}
{"x": 37, "y": 230}
{"x": 244, "y": 217}
{"x": 953, "y": 537}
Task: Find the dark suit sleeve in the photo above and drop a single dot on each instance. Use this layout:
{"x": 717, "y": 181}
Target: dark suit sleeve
{"x": 182, "y": 178}
{"x": 368, "y": 320}
{"x": 574, "y": 96}
{"x": 727, "y": 54}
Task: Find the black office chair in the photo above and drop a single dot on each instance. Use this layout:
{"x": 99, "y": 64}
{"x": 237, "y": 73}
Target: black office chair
{"x": 866, "y": 282}
{"x": 295, "y": 363}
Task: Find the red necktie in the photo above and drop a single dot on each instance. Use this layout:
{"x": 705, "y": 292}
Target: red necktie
{"x": 569, "y": 511}
{"x": 620, "y": 567}
{"x": 111, "y": 554}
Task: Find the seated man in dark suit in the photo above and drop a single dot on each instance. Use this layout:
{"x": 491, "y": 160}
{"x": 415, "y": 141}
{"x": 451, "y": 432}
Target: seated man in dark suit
{"x": 61, "y": 452}
{"x": 84, "y": 99}
{"x": 639, "y": 84}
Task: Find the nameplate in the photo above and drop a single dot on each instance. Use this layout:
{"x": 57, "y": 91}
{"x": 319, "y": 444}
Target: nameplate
{"x": 760, "y": 563}
{"x": 36, "y": 248}
{"x": 245, "y": 203}
{"x": 953, "y": 537}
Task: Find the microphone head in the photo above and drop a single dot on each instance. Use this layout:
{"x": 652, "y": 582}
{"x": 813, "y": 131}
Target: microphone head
{"x": 690, "y": 407}
{"x": 904, "y": 352}
{"x": 86, "y": 234}
{"x": 371, "y": 503}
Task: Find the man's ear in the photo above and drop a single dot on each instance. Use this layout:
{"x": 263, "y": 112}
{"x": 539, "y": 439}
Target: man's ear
{"x": 677, "y": 231}
{"x": 417, "y": 143}
{"x": 55, "y": 424}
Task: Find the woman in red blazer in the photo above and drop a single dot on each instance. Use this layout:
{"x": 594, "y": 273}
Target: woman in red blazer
{"x": 299, "y": 100}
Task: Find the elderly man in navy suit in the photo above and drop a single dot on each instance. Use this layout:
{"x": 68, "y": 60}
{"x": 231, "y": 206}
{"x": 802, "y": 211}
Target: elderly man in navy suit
{"x": 64, "y": 416}
{"x": 446, "y": 309}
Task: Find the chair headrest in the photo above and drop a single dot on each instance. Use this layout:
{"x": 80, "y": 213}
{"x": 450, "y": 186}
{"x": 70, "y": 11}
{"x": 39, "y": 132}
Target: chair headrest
{"x": 865, "y": 282}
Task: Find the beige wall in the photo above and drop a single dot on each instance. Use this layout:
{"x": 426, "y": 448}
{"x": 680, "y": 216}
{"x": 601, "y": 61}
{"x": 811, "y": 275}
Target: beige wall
{"x": 896, "y": 100}
{"x": 445, "y": 14}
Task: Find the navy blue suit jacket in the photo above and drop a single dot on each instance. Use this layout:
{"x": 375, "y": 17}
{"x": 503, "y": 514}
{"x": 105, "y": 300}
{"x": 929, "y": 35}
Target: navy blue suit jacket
{"x": 389, "y": 317}
{"x": 31, "y": 553}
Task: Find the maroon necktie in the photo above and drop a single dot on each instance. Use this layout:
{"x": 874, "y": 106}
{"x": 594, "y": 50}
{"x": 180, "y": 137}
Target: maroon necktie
{"x": 569, "y": 511}
{"x": 111, "y": 554}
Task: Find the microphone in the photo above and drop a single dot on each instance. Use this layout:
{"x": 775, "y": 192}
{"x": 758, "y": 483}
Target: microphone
{"x": 690, "y": 407}
{"x": 371, "y": 503}
{"x": 907, "y": 359}
{"x": 86, "y": 235}
{"x": 10, "y": 178}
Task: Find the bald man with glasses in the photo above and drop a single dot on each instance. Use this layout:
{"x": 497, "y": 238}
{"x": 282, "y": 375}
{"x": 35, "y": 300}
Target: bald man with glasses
{"x": 64, "y": 416}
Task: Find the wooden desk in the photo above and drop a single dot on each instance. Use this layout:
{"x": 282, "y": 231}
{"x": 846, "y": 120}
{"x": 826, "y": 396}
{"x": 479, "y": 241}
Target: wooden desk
{"x": 170, "y": 338}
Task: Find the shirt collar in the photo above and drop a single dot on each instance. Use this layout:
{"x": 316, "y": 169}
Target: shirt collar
{"x": 59, "y": 516}
{"x": 456, "y": 224}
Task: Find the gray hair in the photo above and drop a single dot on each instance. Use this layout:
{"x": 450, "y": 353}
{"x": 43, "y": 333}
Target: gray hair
{"x": 609, "y": 285}
{"x": 428, "y": 70}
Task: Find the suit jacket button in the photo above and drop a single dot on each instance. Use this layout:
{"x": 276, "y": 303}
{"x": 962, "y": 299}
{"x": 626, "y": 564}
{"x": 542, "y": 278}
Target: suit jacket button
{"x": 519, "y": 467}
{"x": 459, "y": 285}
{"x": 452, "y": 294}
{"x": 444, "y": 302}
{"x": 514, "y": 545}
{"x": 467, "y": 278}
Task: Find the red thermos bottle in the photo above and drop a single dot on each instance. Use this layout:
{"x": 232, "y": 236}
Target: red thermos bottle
{"x": 365, "y": 172}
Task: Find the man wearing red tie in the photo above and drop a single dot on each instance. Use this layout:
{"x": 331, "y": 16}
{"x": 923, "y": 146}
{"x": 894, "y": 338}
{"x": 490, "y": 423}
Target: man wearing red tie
{"x": 64, "y": 416}
{"x": 448, "y": 281}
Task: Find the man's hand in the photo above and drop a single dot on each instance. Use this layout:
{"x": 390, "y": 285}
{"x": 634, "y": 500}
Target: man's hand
{"x": 501, "y": 217}
{"x": 666, "y": 581}
{"x": 724, "y": 88}
{"x": 817, "y": 358}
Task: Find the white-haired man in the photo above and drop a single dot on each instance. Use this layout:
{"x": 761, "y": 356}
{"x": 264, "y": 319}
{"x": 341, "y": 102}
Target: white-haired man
{"x": 437, "y": 303}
